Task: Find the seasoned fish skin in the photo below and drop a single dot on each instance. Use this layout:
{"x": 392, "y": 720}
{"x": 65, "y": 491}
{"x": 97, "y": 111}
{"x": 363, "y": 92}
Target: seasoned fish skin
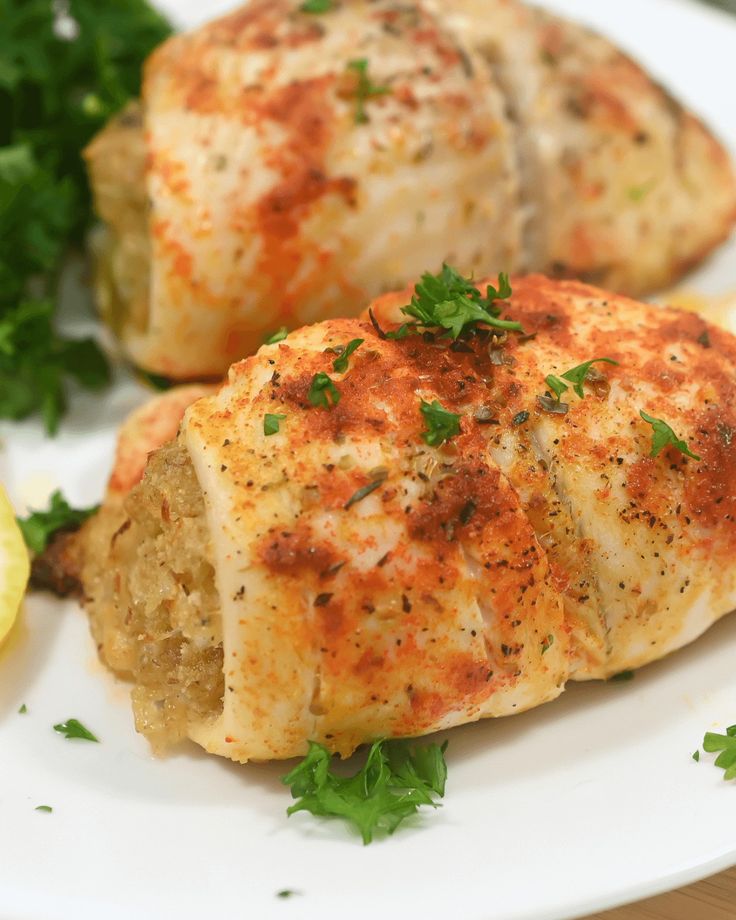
{"x": 510, "y": 139}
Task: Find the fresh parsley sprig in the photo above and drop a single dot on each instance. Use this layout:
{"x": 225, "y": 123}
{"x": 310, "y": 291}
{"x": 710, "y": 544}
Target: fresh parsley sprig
{"x": 441, "y": 423}
{"x": 663, "y": 436}
{"x": 36, "y": 362}
{"x": 725, "y": 745}
{"x": 395, "y": 781}
{"x": 575, "y": 376}
{"x": 64, "y": 69}
{"x": 449, "y": 301}
{"x": 365, "y": 89}
{"x": 40, "y": 526}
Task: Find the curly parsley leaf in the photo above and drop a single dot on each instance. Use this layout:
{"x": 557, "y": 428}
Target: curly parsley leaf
{"x": 663, "y": 436}
{"x": 725, "y": 745}
{"x": 39, "y": 527}
{"x": 73, "y": 728}
{"x": 576, "y": 376}
{"x": 316, "y": 6}
{"x": 64, "y": 69}
{"x": 395, "y": 781}
{"x": 454, "y": 303}
{"x": 340, "y": 364}
{"x": 365, "y": 89}
{"x": 323, "y": 392}
{"x": 272, "y": 423}
{"x": 35, "y": 363}
{"x": 441, "y": 423}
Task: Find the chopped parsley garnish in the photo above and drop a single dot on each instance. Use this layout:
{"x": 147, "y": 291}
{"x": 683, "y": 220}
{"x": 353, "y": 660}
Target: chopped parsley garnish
{"x": 41, "y": 526}
{"x": 454, "y": 303}
{"x": 365, "y": 89}
{"x": 286, "y": 893}
{"x": 547, "y": 643}
{"x": 395, "y": 781}
{"x": 271, "y": 423}
{"x": 73, "y": 728}
{"x": 340, "y": 364}
{"x": 663, "y": 436}
{"x": 576, "y": 376}
{"x": 316, "y": 6}
{"x": 323, "y": 392}
{"x": 277, "y": 336}
{"x": 441, "y": 424}
{"x": 46, "y": 808}
{"x": 726, "y": 746}
{"x": 23, "y": 709}
{"x": 65, "y": 68}
{"x": 696, "y": 756}
{"x": 402, "y": 332}
{"x": 520, "y": 418}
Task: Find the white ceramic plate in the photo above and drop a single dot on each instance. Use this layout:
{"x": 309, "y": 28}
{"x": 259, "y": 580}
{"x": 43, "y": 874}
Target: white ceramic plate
{"x": 585, "y": 803}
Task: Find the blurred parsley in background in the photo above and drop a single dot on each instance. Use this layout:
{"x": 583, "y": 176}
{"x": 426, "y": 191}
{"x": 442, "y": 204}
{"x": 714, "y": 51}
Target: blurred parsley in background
{"x": 64, "y": 69}
{"x": 728, "y": 5}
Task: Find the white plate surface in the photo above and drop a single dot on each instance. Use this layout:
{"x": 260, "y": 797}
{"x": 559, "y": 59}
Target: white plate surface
{"x": 585, "y": 803}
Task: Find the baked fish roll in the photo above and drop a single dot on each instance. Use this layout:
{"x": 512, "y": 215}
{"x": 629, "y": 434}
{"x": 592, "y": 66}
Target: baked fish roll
{"x": 641, "y": 546}
{"x": 621, "y": 185}
{"x": 373, "y": 531}
{"x": 295, "y": 165}
{"x": 285, "y": 167}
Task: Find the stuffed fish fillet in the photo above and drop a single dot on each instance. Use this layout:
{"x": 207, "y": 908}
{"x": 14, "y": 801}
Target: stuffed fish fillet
{"x": 341, "y": 578}
{"x": 285, "y": 167}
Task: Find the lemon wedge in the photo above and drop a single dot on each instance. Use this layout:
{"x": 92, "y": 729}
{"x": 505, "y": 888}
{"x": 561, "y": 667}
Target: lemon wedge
{"x": 14, "y": 566}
